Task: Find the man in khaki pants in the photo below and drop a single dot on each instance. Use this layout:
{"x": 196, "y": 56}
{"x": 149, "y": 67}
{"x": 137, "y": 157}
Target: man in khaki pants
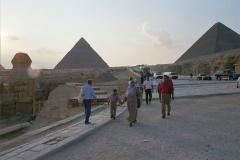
{"x": 165, "y": 91}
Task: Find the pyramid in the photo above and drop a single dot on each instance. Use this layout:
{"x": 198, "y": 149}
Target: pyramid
{"x": 218, "y": 38}
{"x": 81, "y": 56}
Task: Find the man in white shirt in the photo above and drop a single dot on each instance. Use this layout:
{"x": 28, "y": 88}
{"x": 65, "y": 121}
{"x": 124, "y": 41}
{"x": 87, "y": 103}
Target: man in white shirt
{"x": 148, "y": 87}
{"x": 238, "y": 82}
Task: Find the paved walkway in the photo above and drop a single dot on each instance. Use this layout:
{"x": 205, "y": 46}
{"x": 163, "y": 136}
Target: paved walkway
{"x": 198, "y": 128}
{"x": 59, "y": 138}
{"x": 184, "y": 135}
{"x": 184, "y": 88}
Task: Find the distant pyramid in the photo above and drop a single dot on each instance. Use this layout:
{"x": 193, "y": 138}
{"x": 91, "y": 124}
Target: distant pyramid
{"x": 81, "y": 56}
{"x": 218, "y": 38}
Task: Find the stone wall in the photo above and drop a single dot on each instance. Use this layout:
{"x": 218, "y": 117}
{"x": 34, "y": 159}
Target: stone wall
{"x": 237, "y": 68}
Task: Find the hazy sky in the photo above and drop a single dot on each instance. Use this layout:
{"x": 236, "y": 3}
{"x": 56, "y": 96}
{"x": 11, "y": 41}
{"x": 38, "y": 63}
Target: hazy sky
{"x": 122, "y": 32}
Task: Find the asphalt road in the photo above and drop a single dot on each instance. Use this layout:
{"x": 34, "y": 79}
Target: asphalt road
{"x": 198, "y": 128}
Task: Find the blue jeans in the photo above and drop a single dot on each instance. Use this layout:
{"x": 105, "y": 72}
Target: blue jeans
{"x": 87, "y": 104}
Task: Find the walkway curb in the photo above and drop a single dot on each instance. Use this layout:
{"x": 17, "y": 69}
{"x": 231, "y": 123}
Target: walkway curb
{"x": 55, "y": 141}
{"x": 60, "y": 122}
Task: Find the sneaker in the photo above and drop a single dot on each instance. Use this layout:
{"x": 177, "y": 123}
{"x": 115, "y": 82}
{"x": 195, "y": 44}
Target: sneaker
{"x": 135, "y": 121}
{"x": 163, "y": 116}
{"x": 168, "y": 114}
{"x": 87, "y": 123}
{"x": 114, "y": 118}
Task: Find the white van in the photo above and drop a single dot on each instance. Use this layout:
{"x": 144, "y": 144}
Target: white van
{"x": 171, "y": 75}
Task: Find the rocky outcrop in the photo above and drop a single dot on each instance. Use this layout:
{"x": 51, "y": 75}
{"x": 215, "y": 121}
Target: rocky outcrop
{"x": 218, "y": 38}
{"x": 81, "y": 55}
{"x": 204, "y": 64}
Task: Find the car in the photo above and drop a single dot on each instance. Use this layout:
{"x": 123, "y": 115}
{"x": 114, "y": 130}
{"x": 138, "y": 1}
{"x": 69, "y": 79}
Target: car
{"x": 226, "y": 74}
{"x": 157, "y": 75}
{"x": 171, "y": 75}
{"x": 204, "y": 76}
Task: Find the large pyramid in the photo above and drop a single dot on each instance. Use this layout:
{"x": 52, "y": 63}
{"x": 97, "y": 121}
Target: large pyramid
{"x": 218, "y": 38}
{"x": 81, "y": 56}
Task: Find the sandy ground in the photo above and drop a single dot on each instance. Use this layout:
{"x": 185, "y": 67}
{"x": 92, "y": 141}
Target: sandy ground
{"x": 198, "y": 128}
{"x": 62, "y": 92}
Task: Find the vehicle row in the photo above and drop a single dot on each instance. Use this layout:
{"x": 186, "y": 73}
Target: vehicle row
{"x": 160, "y": 75}
{"x": 226, "y": 74}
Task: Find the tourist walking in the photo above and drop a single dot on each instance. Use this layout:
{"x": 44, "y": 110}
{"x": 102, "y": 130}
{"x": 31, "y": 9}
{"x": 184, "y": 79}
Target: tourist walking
{"x": 112, "y": 100}
{"x": 148, "y": 87}
{"x": 165, "y": 91}
{"x": 191, "y": 75}
{"x": 132, "y": 94}
{"x": 89, "y": 94}
{"x": 238, "y": 82}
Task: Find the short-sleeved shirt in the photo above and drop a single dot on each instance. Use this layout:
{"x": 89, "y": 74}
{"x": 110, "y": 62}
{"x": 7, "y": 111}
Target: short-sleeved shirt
{"x": 114, "y": 99}
{"x": 238, "y": 80}
{"x": 166, "y": 87}
{"x": 148, "y": 84}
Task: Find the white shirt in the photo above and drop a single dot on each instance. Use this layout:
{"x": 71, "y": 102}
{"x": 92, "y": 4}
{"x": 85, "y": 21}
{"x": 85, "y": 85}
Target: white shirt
{"x": 148, "y": 84}
{"x": 238, "y": 80}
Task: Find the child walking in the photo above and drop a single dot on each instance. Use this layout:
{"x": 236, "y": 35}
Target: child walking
{"x": 112, "y": 100}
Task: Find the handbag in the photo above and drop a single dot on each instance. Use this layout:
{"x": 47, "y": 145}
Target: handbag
{"x": 81, "y": 96}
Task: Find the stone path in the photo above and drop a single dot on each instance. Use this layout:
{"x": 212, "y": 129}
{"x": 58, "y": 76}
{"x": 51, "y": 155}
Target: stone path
{"x": 59, "y": 138}
{"x": 198, "y": 128}
{"x": 184, "y": 88}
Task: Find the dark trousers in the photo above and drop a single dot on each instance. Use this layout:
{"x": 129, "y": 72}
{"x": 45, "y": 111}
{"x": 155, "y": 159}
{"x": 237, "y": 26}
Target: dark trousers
{"x": 148, "y": 92}
{"x": 87, "y": 104}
